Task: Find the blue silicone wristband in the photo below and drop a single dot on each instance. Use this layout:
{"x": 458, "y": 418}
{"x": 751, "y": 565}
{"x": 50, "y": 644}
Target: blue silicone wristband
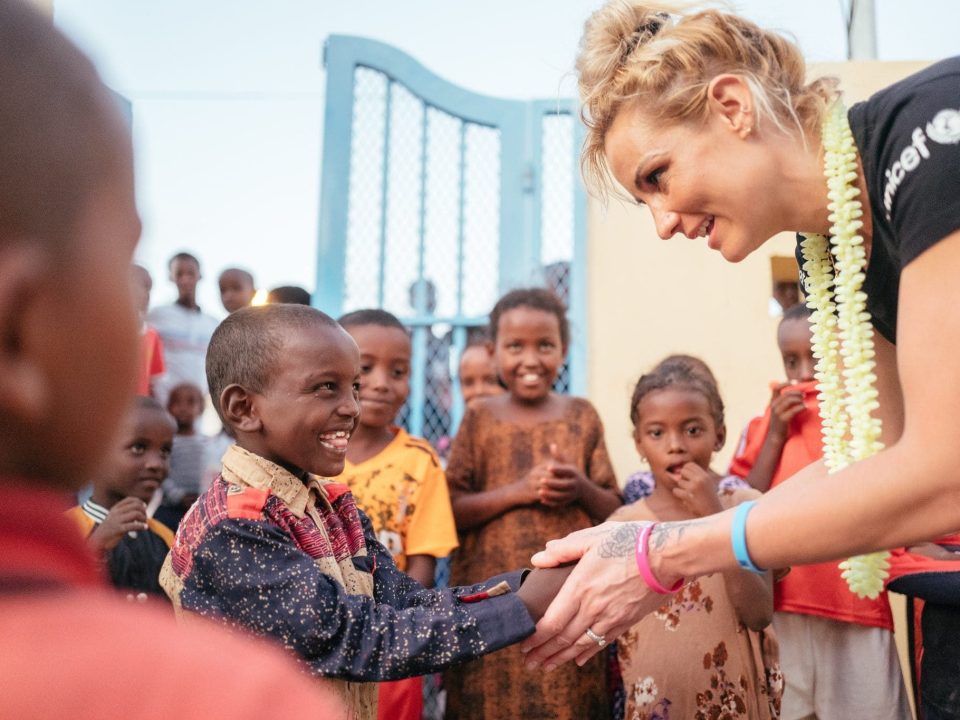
{"x": 738, "y": 537}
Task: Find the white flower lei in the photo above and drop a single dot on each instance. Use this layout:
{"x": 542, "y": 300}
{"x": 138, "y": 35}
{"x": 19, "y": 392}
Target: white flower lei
{"x": 842, "y": 334}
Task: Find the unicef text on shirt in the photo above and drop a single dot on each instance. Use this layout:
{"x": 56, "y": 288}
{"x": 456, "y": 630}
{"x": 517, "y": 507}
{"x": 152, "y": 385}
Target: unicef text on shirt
{"x": 943, "y": 129}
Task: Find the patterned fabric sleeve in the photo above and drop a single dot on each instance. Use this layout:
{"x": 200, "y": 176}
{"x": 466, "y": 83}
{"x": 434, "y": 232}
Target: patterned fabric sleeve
{"x": 271, "y": 587}
{"x": 732, "y": 482}
{"x": 638, "y": 486}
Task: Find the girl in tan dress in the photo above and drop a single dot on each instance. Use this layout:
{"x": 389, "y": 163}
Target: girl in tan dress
{"x": 708, "y": 652}
{"x": 525, "y": 467}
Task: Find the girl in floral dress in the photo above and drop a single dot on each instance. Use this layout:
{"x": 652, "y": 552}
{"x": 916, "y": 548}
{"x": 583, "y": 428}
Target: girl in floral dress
{"x": 708, "y": 651}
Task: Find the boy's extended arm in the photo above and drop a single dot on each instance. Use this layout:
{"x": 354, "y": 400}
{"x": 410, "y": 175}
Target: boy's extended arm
{"x": 395, "y": 588}
{"x": 252, "y": 574}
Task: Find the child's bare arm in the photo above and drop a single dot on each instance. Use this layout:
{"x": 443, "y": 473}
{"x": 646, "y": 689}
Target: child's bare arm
{"x": 422, "y": 569}
{"x": 752, "y": 597}
{"x": 751, "y": 594}
{"x": 783, "y": 408}
{"x": 473, "y": 509}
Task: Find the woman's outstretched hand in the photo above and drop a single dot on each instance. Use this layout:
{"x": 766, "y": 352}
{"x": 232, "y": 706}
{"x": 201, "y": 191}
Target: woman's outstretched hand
{"x": 604, "y": 593}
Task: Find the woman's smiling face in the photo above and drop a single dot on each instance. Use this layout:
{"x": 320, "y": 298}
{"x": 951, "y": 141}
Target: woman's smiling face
{"x": 712, "y": 179}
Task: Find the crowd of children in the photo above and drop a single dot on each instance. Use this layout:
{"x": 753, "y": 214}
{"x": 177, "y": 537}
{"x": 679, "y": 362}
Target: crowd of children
{"x": 314, "y": 520}
{"x": 526, "y": 465}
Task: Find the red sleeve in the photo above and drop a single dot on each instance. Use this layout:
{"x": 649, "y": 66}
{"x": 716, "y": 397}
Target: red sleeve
{"x": 750, "y": 444}
{"x": 155, "y": 365}
{"x": 903, "y": 562}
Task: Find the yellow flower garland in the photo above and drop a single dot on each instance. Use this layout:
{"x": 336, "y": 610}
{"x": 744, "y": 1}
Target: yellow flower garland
{"x": 842, "y": 334}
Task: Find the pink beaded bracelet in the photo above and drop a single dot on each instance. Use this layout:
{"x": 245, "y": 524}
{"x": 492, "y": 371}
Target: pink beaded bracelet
{"x": 643, "y": 563}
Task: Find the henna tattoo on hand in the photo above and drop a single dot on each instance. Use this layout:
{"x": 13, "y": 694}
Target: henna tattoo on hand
{"x": 620, "y": 542}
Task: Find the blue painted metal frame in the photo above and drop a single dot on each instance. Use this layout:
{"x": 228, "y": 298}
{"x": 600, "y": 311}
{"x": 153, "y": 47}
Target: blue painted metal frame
{"x": 335, "y": 180}
{"x": 520, "y": 127}
{"x": 577, "y": 352}
{"x": 579, "y": 287}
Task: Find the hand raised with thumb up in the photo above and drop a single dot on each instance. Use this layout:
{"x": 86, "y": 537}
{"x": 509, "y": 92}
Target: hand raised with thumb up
{"x": 563, "y": 482}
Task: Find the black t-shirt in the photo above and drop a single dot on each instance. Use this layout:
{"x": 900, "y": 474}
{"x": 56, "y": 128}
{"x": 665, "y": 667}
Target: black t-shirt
{"x": 908, "y": 136}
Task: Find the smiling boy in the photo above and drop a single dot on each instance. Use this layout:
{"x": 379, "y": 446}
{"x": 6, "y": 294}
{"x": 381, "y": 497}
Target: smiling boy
{"x": 275, "y": 549}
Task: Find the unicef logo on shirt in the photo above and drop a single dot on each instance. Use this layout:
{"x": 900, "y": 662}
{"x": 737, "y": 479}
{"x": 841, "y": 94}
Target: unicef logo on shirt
{"x": 945, "y": 127}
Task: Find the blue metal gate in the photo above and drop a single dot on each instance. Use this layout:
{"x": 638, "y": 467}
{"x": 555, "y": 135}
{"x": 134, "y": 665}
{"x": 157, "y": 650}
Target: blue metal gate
{"x": 435, "y": 201}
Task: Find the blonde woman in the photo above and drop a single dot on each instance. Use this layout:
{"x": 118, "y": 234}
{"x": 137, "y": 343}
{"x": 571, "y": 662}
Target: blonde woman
{"x": 710, "y": 122}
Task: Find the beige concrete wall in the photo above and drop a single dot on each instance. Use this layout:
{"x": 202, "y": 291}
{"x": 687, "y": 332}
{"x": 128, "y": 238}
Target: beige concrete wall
{"x": 649, "y": 298}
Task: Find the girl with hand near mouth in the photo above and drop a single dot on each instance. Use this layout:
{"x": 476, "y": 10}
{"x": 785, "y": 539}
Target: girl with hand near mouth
{"x": 707, "y": 648}
{"x": 526, "y": 466}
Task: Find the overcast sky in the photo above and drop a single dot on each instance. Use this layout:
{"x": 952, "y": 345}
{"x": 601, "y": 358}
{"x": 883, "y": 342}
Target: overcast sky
{"x": 228, "y": 97}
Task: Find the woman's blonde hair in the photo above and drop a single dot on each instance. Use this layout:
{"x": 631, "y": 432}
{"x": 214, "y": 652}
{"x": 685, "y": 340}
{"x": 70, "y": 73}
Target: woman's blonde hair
{"x": 663, "y": 57}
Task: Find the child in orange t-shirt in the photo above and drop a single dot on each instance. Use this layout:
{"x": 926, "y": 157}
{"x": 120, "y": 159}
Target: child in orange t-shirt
{"x": 396, "y": 478}
{"x": 836, "y": 650}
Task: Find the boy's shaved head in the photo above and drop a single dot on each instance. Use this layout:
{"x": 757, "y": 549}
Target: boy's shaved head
{"x": 246, "y": 346}
{"x": 59, "y": 128}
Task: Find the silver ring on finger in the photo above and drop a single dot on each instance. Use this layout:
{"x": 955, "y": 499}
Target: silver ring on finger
{"x": 598, "y": 639}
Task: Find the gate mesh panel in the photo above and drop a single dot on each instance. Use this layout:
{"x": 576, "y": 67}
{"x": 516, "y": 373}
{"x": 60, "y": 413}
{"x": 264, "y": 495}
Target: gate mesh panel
{"x": 422, "y": 242}
{"x": 423, "y": 238}
{"x": 424, "y": 214}
{"x": 556, "y": 214}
